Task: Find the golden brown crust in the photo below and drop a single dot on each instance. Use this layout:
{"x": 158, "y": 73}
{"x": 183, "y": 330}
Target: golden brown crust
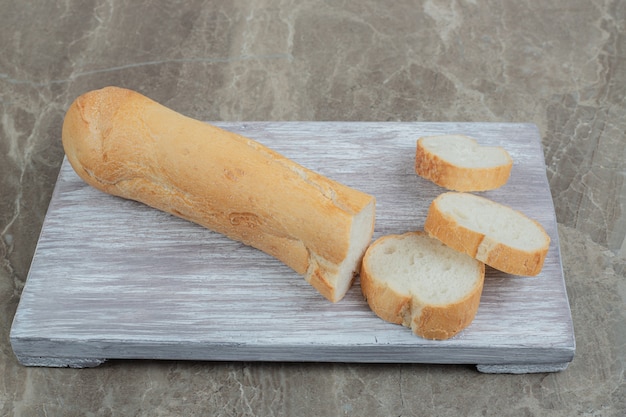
{"x": 515, "y": 261}
{"x": 495, "y": 254}
{"x": 453, "y": 177}
{"x": 444, "y": 322}
{"x": 448, "y": 231}
{"x": 125, "y": 144}
{"x": 388, "y": 304}
{"x": 436, "y": 322}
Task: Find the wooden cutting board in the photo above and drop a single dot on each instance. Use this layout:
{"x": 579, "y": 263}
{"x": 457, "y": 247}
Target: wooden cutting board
{"x": 114, "y": 279}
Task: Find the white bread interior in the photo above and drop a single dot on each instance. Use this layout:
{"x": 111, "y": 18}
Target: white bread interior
{"x": 491, "y": 232}
{"x": 460, "y": 163}
{"x": 415, "y": 280}
{"x": 128, "y": 145}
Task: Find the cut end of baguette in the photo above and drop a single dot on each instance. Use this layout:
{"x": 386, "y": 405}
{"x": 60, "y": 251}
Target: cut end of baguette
{"x": 333, "y": 280}
{"x": 493, "y": 233}
{"x": 460, "y": 163}
{"x": 416, "y": 281}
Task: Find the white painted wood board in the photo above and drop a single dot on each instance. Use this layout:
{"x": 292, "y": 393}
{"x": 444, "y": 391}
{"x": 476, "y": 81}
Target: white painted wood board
{"x": 114, "y": 279}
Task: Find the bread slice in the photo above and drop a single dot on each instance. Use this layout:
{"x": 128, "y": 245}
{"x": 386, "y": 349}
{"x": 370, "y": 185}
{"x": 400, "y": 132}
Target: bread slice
{"x": 493, "y": 233}
{"x": 415, "y": 280}
{"x": 459, "y": 163}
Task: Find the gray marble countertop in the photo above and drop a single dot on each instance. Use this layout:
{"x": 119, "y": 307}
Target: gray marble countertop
{"x": 560, "y": 65}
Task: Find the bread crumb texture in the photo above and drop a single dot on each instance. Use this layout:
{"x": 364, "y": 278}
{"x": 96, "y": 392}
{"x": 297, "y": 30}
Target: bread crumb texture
{"x": 415, "y": 280}
{"x": 460, "y": 163}
{"x": 496, "y": 234}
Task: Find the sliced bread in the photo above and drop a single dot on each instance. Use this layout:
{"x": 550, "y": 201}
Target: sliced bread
{"x": 493, "y": 233}
{"x": 460, "y": 163}
{"x": 415, "y": 280}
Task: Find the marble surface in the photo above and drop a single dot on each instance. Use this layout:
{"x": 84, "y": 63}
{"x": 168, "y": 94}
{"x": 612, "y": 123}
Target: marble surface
{"x": 558, "y": 64}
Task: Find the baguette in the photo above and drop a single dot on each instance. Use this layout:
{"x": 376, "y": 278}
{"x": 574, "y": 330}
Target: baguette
{"x": 416, "y": 281}
{"x": 493, "y": 233}
{"x": 459, "y": 163}
{"x": 128, "y": 145}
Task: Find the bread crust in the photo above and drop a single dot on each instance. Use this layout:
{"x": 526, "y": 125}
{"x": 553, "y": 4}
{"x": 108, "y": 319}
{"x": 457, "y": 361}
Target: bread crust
{"x": 429, "y": 321}
{"x": 128, "y": 145}
{"x": 500, "y": 256}
{"x": 458, "y": 178}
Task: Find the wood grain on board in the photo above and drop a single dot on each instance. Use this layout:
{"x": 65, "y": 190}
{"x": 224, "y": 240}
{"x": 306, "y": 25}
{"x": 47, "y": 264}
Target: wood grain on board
{"x": 114, "y": 279}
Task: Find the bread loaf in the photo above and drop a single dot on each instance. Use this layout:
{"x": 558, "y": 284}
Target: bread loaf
{"x": 459, "y": 163}
{"x": 415, "y": 280}
{"x": 128, "y": 145}
{"x": 491, "y": 232}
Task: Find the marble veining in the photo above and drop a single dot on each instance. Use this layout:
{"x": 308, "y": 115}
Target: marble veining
{"x": 560, "y": 65}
